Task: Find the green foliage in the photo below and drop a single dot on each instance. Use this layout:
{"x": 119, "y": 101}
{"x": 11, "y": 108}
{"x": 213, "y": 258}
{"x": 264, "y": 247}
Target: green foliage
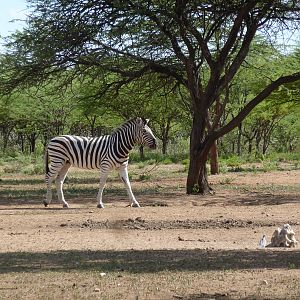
{"x": 34, "y": 169}
{"x": 185, "y": 162}
{"x": 226, "y": 180}
{"x": 291, "y": 266}
{"x": 195, "y": 189}
{"x": 23, "y": 164}
{"x": 233, "y": 162}
{"x": 143, "y": 177}
{"x": 131, "y": 59}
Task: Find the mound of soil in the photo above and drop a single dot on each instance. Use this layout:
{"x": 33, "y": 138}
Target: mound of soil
{"x": 141, "y": 224}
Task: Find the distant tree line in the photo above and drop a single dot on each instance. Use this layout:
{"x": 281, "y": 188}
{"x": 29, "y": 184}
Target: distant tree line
{"x": 31, "y": 117}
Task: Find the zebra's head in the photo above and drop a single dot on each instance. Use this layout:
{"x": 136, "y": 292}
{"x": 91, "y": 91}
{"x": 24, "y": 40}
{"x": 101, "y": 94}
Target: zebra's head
{"x": 145, "y": 135}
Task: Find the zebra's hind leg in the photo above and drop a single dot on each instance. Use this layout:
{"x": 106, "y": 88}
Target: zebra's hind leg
{"x": 48, "y": 179}
{"x": 52, "y": 172}
{"x": 59, "y": 184}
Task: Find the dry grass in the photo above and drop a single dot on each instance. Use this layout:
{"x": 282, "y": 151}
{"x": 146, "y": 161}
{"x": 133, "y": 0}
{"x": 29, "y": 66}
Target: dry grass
{"x": 211, "y": 253}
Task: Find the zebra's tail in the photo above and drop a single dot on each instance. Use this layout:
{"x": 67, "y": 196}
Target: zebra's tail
{"x": 46, "y": 161}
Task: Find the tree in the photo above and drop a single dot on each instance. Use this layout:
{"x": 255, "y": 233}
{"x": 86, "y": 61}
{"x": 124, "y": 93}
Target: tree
{"x": 134, "y": 38}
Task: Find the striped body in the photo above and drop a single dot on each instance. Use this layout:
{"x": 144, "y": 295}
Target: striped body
{"x": 103, "y": 153}
{"x": 81, "y": 152}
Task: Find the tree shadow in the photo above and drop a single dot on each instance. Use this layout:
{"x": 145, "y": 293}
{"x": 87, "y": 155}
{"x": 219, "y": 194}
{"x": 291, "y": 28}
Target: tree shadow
{"x": 149, "y": 261}
{"x": 255, "y": 199}
{"x": 23, "y": 181}
{"x": 32, "y": 196}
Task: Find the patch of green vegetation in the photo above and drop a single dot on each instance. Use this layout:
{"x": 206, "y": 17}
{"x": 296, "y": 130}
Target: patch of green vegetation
{"x": 153, "y": 157}
{"x": 260, "y": 163}
{"x": 24, "y": 164}
{"x": 143, "y": 177}
{"x": 195, "y": 189}
{"x": 226, "y": 180}
{"x": 291, "y": 266}
{"x": 166, "y": 161}
{"x": 233, "y": 162}
{"x": 185, "y": 162}
{"x": 23, "y": 181}
{"x": 285, "y": 157}
{"x": 33, "y": 169}
{"x": 266, "y": 188}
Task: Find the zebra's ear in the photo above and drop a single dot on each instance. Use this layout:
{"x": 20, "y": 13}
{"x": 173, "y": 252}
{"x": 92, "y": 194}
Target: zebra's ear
{"x": 140, "y": 121}
{"x": 145, "y": 121}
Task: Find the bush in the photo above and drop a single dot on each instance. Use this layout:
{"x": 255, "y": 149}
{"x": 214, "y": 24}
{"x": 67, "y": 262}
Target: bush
{"x": 26, "y": 164}
{"x": 33, "y": 169}
{"x": 233, "y": 162}
{"x": 12, "y": 168}
{"x": 144, "y": 177}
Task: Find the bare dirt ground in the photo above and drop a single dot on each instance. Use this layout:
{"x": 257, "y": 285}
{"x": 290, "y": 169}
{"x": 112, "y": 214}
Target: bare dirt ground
{"x": 174, "y": 247}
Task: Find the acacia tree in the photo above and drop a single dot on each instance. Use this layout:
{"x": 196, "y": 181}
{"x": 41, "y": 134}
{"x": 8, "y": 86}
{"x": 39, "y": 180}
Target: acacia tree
{"x": 132, "y": 38}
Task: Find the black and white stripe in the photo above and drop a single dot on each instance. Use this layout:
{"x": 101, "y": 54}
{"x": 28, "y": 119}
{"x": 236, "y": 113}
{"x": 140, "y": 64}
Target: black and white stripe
{"x": 103, "y": 153}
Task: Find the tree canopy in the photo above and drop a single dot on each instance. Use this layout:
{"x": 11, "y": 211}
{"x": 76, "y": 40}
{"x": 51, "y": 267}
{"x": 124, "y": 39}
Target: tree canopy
{"x": 198, "y": 45}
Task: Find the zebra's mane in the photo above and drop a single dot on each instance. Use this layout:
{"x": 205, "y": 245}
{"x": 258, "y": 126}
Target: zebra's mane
{"x": 125, "y": 125}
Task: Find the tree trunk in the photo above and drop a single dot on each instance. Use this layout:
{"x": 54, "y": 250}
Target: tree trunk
{"x": 32, "y": 141}
{"x": 142, "y": 154}
{"x": 21, "y": 141}
{"x": 250, "y": 146}
{"x": 197, "y": 182}
{"x": 239, "y": 140}
{"x": 214, "y": 159}
{"x": 164, "y": 145}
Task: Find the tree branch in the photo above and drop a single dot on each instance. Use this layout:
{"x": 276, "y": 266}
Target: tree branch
{"x": 234, "y": 31}
{"x": 254, "y": 102}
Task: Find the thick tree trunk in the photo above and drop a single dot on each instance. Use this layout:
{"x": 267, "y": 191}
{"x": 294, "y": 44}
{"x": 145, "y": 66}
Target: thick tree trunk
{"x": 197, "y": 182}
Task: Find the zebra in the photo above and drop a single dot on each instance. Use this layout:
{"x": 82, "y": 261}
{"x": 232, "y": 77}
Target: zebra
{"x": 104, "y": 153}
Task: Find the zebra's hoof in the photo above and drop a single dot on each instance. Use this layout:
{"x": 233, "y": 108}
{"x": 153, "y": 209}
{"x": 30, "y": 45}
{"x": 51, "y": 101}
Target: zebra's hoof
{"x": 65, "y": 205}
{"x": 135, "y": 205}
{"x": 100, "y": 205}
{"x": 45, "y": 203}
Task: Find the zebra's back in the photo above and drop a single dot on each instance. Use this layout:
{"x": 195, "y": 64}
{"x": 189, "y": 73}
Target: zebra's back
{"x": 82, "y": 152}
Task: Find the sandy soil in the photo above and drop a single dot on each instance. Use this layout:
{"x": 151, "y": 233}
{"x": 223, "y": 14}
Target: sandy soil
{"x": 174, "y": 247}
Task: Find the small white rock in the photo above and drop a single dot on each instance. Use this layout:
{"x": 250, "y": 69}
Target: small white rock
{"x": 102, "y": 274}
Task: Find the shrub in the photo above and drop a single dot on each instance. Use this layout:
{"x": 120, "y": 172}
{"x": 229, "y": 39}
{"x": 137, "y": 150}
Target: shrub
{"x": 144, "y": 177}
{"x": 33, "y": 169}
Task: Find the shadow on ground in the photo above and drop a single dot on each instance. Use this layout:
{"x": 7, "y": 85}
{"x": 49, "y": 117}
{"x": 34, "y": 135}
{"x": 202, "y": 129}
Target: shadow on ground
{"x": 147, "y": 197}
{"x": 254, "y": 199}
{"x": 149, "y": 261}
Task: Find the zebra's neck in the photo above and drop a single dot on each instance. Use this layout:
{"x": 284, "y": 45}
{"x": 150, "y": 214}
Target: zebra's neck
{"x": 124, "y": 140}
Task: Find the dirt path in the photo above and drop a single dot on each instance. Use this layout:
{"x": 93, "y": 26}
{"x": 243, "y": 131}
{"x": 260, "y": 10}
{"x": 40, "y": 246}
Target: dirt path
{"x": 174, "y": 247}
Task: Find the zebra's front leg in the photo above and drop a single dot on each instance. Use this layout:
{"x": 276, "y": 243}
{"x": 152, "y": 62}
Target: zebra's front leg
{"x": 124, "y": 177}
{"x": 59, "y": 184}
{"x": 103, "y": 177}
